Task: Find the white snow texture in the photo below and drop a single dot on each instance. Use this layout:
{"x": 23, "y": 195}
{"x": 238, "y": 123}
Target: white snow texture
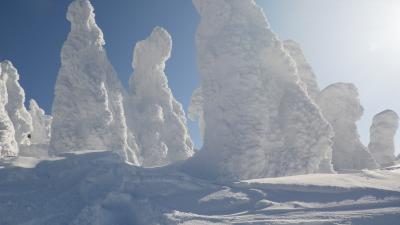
{"x": 259, "y": 120}
{"x": 341, "y": 106}
{"x": 382, "y": 132}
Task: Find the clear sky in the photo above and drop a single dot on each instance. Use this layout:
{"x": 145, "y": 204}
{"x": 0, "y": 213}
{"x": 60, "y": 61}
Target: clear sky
{"x": 344, "y": 40}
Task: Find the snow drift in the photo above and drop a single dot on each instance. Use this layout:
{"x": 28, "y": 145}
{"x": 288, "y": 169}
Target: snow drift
{"x": 341, "y": 106}
{"x": 156, "y": 117}
{"x": 258, "y": 119}
{"x": 382, "y": 132}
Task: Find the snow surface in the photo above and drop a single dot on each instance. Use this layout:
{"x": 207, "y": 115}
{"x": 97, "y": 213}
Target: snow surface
{"x": 98, "y": 188}
{"x": 156, "y": 117}
{"x": 382, "y": 133}
{"x": 341, "y": 106}
{"x": 258, "y": 119}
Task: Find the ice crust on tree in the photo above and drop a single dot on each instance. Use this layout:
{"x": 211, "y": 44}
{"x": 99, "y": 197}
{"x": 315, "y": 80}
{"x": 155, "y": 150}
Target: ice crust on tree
{"x": 259, "y": 120}
{"x": 8, "y": 144}
{"x": 157, "y": 118}
{"x": 15, "y": 107}
{"x": 382, "y": 132}
{"x": 304, "y": 70}
{"x": 87, "y": 105}
{"x": 340, "y": 105}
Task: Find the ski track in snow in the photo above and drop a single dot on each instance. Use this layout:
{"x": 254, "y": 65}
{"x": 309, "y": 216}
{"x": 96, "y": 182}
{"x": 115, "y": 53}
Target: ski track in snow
{"x": 98, "y": 188}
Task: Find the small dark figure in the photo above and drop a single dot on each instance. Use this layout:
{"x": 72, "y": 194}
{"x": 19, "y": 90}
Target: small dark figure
{"x": 29, "y": 136}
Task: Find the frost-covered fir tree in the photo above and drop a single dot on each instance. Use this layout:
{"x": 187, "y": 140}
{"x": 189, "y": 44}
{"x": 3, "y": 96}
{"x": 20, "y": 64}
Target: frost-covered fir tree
{"x": 41, "y": 123}
{"x": 86, "y": 109}
{"x": 383, "y": 129}
{"x": 8, "y": 145}
{"x": 157, "y": 118}
{"x": 341, "y": 106}
{"x": 15, "y": 107}
{"x": 258, "y": 119}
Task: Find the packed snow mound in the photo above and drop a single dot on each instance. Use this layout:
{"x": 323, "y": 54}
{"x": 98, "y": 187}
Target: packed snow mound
{"x": 15, "y": 107}
{"x": 156, "y": 116}
{"x": 383, "y": 130}
{"x": 304, "y": 70}
{"x": 259, "y": 121}
{"x": 8, "y": 144}
{"x": 341, "y": 106}
{"x": 87, "y": 111}
{"x": 103, "y": 190}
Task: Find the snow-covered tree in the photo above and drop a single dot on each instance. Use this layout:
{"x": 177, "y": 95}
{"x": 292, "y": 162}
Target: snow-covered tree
{"x": 8, "y": 145}
{"x": 382, "y": 132}
{"x": 304, "y": 70}
{"x": 15, "y": 107}
{"x": 41, "y": 123}
{"x": 157, "y": 118}
{"x": 86, "y": 109}
{"x": 258, "y": 119}
{"x": 341, "y": 106}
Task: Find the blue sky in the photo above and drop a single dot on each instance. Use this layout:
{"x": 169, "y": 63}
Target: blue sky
{"x": 344, "y": 40}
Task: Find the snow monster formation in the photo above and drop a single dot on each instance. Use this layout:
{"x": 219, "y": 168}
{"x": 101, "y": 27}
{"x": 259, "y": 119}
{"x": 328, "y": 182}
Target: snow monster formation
{"x": 382, "y": 132}
{"x": 87, "y": 111}
{"x": 341, "y": 106}
{"x": 41, "y": 124}
{"x": 259, "y": 120}
{"x": 8, "y": 144}
{"x": 15, "y": 107}
{"x": 304, "y": 70}
{"x": 155, "y": 115}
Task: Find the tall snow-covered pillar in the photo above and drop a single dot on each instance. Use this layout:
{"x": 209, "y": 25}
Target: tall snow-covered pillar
{"x": 382, "y": 132}
{"x": 41, "y": 124}
{"x": 157, "y": 118}
{"x": 258, "y": 119}
{"x": 341, "y": 106}
{"x": 8, "y": 145}
{"x": 86, "y": 111}
{"x": 15, "y": 107}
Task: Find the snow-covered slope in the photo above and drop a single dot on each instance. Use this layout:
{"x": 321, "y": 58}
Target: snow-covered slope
{"x": 258, "y": 119}
{"x": 382, "y": 133}
{"x": 341, "y": 106}
{"x": 97, "y": 188}
{"x": 156, "y": 117}
{"x": 87, "y": 109}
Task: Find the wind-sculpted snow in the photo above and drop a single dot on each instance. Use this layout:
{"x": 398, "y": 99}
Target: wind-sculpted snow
{"x": 195, "y": 111}
{"x": 15, "y": 107}
{"x": 341, "y": 106}
{"x": 382, "y": 132}
{"x": 8, "y": 144}
{"x": 98, "y": 188}
{"x": 258, "y": 119}
{"x": 304, "y": 70}
{"x": 157, "y": 118}
{"x": 86, "y": 109}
